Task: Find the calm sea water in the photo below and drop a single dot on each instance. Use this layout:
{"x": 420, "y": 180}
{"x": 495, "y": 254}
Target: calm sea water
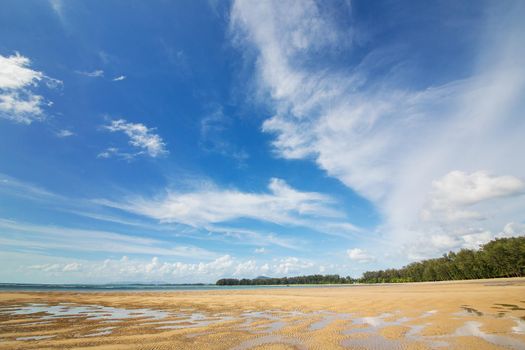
{"x": 127, "y": 287}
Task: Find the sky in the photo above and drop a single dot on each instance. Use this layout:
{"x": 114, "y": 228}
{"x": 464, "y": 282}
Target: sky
{"x": 187, "y": 141}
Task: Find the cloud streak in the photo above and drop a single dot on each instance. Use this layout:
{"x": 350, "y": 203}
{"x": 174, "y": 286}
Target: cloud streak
{"x": 209, "y": 205}
{"x": 390, "y": 142}
{"x": 42, "y": 237}
{"x": 98, "y": 73}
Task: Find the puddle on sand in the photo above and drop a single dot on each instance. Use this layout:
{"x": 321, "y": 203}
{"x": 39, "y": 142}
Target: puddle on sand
{"x": 374, "y": 340}
{"x": 428, "y": 313}
{"x": 192, "y": 321}
{"x": 275, "y": 326}
{"x": 36, "y": 337}
{"x": 38, "y": 323}
{"x": 327, "y": 319}
{"x": 90, "y": 312}
{"x": 270, "y": 339}
{"x": 101, "y": 331}
{"x": 471, "y": 328}
{"x": 274, "y": 321}
{"x": 520, "y": 326}
{"x": 375, "y": 322}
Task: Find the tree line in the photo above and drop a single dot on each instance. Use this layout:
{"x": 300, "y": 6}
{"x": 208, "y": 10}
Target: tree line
{"x": 502, "y": 257}
{"x": 310, "y": 279}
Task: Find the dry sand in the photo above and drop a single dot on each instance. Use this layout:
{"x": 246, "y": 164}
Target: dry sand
{"x": 483, "y": 314}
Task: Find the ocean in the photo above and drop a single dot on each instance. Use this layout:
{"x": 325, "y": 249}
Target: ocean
{"x": 139, "y": 287}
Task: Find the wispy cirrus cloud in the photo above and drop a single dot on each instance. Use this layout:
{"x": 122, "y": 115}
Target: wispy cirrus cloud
{"x": 387, "y": 140}
{"x": 12, "y": 186}
{"x": 18, "y": 101}
{"x": 98, "y": 73}
{"x": 256, "y": 238}
{"x": 214, "y": 136}
{"x": 46, "y": 237}
{"x": 98, "y": 211}
{"x": 140, "y": 136}
{"x": 119, "y": 78}
{"x": 208, "y": 205}
{"x": 64, "y": 133}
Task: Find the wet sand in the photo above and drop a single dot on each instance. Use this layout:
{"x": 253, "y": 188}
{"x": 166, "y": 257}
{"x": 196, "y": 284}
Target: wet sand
{"x": 482, "y": 314}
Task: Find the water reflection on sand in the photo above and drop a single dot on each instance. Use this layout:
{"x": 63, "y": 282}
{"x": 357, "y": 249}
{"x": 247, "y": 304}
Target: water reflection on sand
{"x": 267, "y": 327}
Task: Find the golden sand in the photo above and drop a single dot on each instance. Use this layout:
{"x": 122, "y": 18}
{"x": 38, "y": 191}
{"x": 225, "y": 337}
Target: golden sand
{"x": 483, "y": 314}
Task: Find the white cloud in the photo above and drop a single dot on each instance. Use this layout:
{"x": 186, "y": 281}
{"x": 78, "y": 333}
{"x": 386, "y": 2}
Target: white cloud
{"x": 15, "y": 74}
{"x": 140, "y": 137}
{"x": 260, "y": 250}
{"x": 91, "y": 209}
{"x": 94, "y": 74}
{"x": 389, "y": 142}
{"x": 359, "y": 255}
{"x": 72, "y": 267}
{"x": 37, "y": 237}
{"x": 456, "y": 191}
{"x": 208, "y": 205}
{"x": 514, "y": 229}
{"x": 64, "y": 133}
{"x": 46, "y": 267}
{"x": 246, "y": 268}
{"x": 17, "y": 100}
{"x": 157, "y": 269}
{"x": 119, "y": 78}
{"x": 292, "y": 265}
{"x": 460, "y": 188}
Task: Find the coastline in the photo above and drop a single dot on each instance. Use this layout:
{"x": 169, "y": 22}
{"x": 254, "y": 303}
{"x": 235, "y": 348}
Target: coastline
{"x": 439, "y": 312}
{"x": 142, "y": 287}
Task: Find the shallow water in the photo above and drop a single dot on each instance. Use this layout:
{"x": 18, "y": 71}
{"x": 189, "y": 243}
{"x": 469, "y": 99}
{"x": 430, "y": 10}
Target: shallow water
{"x": 362, "y": 331}
{"x": 276, "y": 316}
{"x": 192, "y": 321}
{"x": 270, "y": 339}
{"x": 328, "y": 319}
{"x": 90, "y": 312}
{"x": 36, "y": 337}
{"x": 101, "y": 332}
{"x": 520, "y": 326}
{"x": 472, "y": 328}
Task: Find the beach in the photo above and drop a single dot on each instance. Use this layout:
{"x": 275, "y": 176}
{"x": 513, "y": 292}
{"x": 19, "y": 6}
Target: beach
{"x": 480, "y": 314}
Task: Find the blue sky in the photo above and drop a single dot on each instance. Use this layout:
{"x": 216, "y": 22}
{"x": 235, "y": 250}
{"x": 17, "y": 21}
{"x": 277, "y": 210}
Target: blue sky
{"x": 189, "y": 141}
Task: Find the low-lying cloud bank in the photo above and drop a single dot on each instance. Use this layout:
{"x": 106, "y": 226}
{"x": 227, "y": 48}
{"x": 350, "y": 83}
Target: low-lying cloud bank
{"x": 126, "y": 269}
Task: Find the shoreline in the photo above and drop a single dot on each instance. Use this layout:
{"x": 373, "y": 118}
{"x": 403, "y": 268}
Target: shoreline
{"x": 145, "y": 287}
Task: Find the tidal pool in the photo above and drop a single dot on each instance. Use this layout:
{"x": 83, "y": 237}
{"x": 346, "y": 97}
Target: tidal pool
{"x": 267, "y": 327}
